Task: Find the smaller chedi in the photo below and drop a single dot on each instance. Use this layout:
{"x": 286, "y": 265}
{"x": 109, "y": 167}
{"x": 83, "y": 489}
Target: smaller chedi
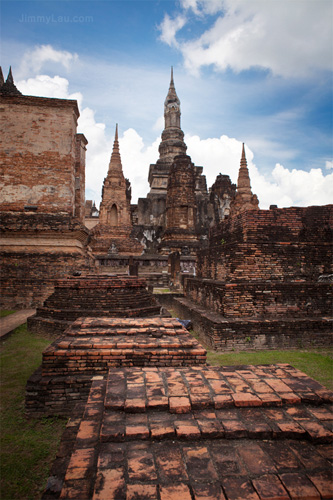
{"x": 112, "y": 234}
{"x": 244, "y": 199}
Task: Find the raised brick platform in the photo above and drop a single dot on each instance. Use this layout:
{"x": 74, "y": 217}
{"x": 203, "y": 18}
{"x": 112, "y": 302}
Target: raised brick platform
{"x": 231, "y": 433}
{"x": 266, "y": 332}
{"x": 92, "y": 345}
{"x": 104, "y": 295}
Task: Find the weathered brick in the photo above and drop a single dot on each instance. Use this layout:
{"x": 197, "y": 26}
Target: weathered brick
{"x": 323, "y": 481}
{"x": 175, "y": 492}
{"x": 141, "y": 492}
{"x": 269, "y": 487}
{"x": 110, "y": 485}
{"x": 206, "y": 491}
{"x": 262, "y": 463}
{"x": 299, "y": 486}
{"x": 239, "y": 488}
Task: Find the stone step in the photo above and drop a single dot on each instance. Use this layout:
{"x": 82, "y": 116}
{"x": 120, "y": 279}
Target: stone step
{"x": 183, "y": 390}
{"x": 153, "y": 326}
{"x": 86, "y": 296}
{"x": 94, "y": 345}
{"x": 83, "y": 310}
{"x": 236, "y": 453}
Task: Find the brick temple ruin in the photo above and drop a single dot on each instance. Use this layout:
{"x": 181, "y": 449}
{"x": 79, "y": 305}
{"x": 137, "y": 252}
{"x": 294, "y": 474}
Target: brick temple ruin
{"x": 260, "y": 275}
{"x": 150, "y": 420}
{"x": 43, "y": 235}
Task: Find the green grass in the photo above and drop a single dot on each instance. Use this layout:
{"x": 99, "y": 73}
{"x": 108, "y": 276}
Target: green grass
{"x": 5, "y": 312}
{"x": 27, "y": 446}
{"x": 315, "y": 363}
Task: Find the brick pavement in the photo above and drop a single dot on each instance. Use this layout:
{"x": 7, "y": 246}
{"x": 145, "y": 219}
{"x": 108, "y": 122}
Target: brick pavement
{"x": 202, "y": 433}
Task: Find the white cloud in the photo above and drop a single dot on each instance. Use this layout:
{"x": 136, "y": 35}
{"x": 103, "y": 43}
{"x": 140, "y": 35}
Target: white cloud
{"x": 35, "y": 59}
{"x": 288, "y": 38}
{"x": 169, "y": 28}
{"x": 98, "y": 154}
{"x": 216, "y": 155}
{"x": 305, "y": 188}
{"x": 159, "y": 124}
{"x": 200, "y": 7}
{"x": 191, "y": 5}
{"x": 45, "y": 86}
{"x": 136, "y": 158}
{"x": 286, "y": 188}
{"x": 329, "y": 165}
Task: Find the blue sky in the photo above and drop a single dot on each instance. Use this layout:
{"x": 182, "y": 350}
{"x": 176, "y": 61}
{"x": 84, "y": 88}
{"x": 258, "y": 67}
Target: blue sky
{"x": 253, "y": 71}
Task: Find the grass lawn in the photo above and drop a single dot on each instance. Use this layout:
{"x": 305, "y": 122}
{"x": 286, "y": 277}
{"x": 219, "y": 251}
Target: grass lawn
{"x": 27, "y": 446}
{"x": 317, "y": 363}
{"x": 5, "y": 312}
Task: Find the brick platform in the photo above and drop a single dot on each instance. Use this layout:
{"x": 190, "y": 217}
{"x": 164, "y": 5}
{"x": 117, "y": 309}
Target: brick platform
{"x": 246, "y": 333}
{"x": 231, "y": 433}
{"x": 92, "y": 345}
{"x": 104, "y": 295}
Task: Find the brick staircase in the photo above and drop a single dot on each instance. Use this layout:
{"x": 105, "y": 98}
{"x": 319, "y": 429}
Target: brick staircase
{"x": 103, "y": 295}
{"x": 91, "y": 346}
{"x": 200, "y": 433}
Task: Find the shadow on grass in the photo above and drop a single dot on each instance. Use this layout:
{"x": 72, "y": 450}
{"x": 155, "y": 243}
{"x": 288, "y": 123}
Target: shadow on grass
{"x": 28, "y": 446}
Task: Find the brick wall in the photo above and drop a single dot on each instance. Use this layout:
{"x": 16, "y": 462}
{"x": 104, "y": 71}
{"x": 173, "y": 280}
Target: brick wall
{"x": 278, "y": 244}
{"x": 30, "y": 264}
{"x": 252, "y": 333}
{"x": 261, "y": 299}
{"x": 80, "y": 176}
{"x": 38, "y": 154}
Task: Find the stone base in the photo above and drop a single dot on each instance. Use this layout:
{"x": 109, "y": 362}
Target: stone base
{"x": 92, "y": 345}
{"x": 229, "y": 334}
{"x": 212, "y": 433}
{"x": 102, "y": 295}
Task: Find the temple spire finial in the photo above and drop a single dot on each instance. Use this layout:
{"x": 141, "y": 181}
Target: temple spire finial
{"x": 115, "y": 161}
{"x": 8, "y": 87}
{"x": 10, "y": 78}
{"x": 171, "y": 80}
{"x": 243, "y": 184}
{"x": 243, "y": 153}
{"x": 244, "y": 199}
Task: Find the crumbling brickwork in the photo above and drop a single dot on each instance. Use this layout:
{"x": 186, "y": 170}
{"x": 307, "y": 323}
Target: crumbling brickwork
{"x": 80, "y": 176}
{"x": 181, "y": 207}
{"x": 40, "y": 155}
{"x": 30, "y": 264}
{"x": 107, "y": 296}
{"x": 259, "y": 282}
{"x": 42, "y": 195}
{"x": 262, "y": 299}
{"x": 279, "y": 244}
